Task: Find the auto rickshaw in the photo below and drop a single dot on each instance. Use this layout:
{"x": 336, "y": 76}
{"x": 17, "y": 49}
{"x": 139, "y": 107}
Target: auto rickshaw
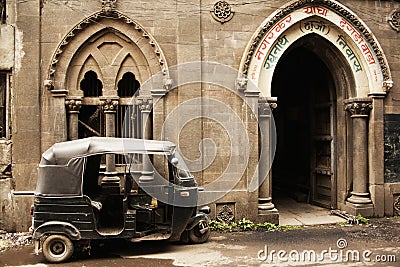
{"x": 77, "y": 201}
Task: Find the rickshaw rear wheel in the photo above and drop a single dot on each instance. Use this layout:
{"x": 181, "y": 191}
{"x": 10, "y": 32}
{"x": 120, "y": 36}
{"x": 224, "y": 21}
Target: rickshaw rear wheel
{"x": 200, "y": 233}
{"x": 57, "y": 248}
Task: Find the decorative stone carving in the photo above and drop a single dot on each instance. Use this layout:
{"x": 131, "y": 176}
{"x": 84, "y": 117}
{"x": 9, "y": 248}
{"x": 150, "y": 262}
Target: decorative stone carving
{"x": 94, "y": 19}
{"x": 225, "y": 214}
{"x": 331, "y": 5}
{"x": 108, "y": 6}
{"x": 241, "y": 84}
{"x": 168, "y": 84}
{"x": 394, "y": 20}
{"x": 145, "y": 104}
{"x": 266, "y": 106}
{"x": 359, "y": 108}
{"x": 263, "y": 107}
{"x": 73, "y": 105}
{"x": 109, "y": 105}
{"x": 48, "y": 84}
{"x": 222, "y": 11}
{"x": 396, "y": 206}
{"x": 387, "y": 85}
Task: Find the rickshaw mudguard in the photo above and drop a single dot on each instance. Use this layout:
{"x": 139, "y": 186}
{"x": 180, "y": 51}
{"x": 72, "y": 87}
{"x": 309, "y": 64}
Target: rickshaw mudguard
{"x": 196, "y": 220}
{"x": 57, "y": 227}
{"x": 182, "y": 216}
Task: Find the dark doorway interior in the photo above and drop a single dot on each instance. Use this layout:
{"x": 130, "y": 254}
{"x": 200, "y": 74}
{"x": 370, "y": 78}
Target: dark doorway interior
{"x": 302, "y": 164}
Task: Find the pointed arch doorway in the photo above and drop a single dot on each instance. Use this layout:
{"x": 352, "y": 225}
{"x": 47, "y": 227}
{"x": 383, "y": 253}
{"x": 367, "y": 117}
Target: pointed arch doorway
{"x": 306, "y": 123}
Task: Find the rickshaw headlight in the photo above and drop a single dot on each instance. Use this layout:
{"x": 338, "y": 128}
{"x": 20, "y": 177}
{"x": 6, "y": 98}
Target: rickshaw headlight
{"x": 205, "y": 210}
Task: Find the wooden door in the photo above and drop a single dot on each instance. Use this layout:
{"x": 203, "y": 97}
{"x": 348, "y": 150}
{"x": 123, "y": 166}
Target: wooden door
{"x": 322, "y": 179}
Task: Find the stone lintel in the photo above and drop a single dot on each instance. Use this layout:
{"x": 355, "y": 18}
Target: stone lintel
{"x": 251, "y": 93}
{"x": 158, "y": 93}
{"x": 59, "y": 92}
{"x": 377, "y": 95}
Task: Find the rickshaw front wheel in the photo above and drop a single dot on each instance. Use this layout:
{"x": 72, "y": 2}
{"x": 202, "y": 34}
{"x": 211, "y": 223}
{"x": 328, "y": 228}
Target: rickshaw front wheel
{"x": 57, "y": 248}
{"x": 200, "y": 233}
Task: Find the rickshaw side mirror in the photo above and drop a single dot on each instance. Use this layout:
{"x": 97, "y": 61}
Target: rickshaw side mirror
{"x": 174, "y": 161}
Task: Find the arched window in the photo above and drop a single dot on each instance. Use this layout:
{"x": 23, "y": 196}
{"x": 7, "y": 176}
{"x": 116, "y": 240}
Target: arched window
{"x": 91, "y": 85}
{"x": 128, "y": 85}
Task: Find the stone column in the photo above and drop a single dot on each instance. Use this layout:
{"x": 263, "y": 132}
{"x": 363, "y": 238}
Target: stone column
{"x": 360, "y": 201}
{"x": 146, "y": 105}
{"x": 73, "y": 106}
{"x": 266, "y": 208}
{"x": 265, "y": 108}
{"x": 109, "y": 106}
{"x": 376, "y": 153}
{"x": 58, "y": 120}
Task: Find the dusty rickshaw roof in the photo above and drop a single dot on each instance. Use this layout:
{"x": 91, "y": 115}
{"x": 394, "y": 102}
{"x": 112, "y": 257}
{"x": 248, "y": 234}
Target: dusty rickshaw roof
{"x": 61, "y": 169}
{"x": 61, "y": 153}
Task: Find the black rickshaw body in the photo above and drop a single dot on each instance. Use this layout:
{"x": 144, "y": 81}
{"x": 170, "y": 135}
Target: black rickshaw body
{"x": 77, "y": 201}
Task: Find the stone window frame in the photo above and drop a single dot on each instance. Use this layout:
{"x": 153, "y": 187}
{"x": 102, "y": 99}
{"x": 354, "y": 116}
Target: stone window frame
{"x": 5, "y": 84}
{"x": 3, "y": 11}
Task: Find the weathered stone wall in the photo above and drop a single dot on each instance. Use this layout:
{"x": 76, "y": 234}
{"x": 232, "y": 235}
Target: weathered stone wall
{"x": 186, "y": 32}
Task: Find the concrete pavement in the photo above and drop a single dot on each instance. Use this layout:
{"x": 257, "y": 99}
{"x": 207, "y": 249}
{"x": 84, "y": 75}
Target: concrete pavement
{"x": 292, "y": 212}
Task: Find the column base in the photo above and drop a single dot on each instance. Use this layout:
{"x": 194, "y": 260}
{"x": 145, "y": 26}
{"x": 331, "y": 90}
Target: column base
{"x": 271, "y": 216}
{"x": 111, "y": 183}
{"x": 359, "y": 198}
{"x": 146, "y": 177}
{"x": 365, "y": 210}
{"x": 265, "y": 203}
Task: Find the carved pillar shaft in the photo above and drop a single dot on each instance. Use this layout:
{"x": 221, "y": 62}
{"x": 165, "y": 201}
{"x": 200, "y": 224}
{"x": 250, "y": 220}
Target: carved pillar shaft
{"x": 59, "y": 116}
{"x": 266, "y": 152}
{"x": 146, "y": 105}
{"x": 73, "y": 106}
{"x": 109, "y": 107}
{"x": 359, "y": 110}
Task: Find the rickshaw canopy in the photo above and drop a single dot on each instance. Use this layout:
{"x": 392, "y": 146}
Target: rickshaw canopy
{"x": 62, "y": 166}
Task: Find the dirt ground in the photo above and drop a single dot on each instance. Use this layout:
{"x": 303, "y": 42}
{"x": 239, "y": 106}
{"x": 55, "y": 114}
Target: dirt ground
{"x": 381, "y": 237}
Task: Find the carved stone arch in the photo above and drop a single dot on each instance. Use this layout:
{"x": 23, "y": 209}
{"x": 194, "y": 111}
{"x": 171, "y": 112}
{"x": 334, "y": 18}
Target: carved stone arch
{"x": 129, "y": 64}
{"x": 97, "y": 24}
{"x": 333, "y": 59}
{"x": 355, "y": 117}
{"x": 110, "y": 50}
{"x": 356, "y": 35}
{"x": 90, "y": 64}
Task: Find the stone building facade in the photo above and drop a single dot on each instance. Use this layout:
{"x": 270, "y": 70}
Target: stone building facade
{"x": 314, "y": 95}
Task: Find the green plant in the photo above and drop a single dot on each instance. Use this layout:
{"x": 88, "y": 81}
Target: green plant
{"x": 361, "y": 219}
{"x": 266, "y": 226}
{"x": 218, "y": 226}
{"x": 246, "y": 225}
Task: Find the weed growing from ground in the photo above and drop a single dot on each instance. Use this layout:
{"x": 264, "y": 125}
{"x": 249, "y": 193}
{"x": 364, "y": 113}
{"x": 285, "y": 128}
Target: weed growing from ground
{"x": 247, "y": 225}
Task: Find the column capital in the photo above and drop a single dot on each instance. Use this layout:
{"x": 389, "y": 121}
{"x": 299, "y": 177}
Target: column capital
{"x": 109, "y": 105}
{"x": 358, "y": 107}
{"x": 266, "y": 105}
{"x": 145, "y": 104}
{"x": 73, "y": 105}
